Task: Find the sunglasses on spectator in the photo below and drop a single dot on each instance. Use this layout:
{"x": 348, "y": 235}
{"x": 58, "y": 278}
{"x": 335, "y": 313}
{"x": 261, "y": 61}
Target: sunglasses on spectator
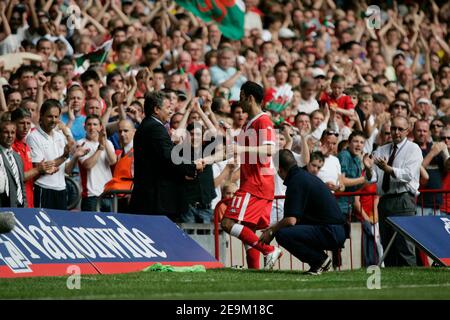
{"x": 436, "y": 126}
{"x": 398, "y": 128}
{"x": 445, "y": 138}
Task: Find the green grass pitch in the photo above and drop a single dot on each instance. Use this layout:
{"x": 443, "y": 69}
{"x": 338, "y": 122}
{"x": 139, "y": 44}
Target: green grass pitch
{"x": 222, "y": 284}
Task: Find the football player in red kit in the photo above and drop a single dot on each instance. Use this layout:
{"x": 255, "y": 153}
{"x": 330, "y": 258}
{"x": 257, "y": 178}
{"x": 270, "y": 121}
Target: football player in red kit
{"x": 251, "y": 205}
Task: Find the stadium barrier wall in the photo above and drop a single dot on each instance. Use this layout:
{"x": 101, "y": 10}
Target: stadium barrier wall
{"x": 48, "y": 242}
{"x": 351, "y": 256}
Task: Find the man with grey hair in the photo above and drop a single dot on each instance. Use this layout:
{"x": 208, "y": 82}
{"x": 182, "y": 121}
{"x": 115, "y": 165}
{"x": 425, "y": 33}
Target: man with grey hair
{"x": 397, "y": 174}
{"x": 12, "y": 188}
{"x": 225, "y": 73}
{"x": 157, "y": 177}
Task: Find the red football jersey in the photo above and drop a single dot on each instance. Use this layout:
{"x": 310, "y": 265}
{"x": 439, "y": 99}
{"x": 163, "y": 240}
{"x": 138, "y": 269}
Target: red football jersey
{"x": 257, "y": 174}
{"x": 25, "y": 153}
{"x": 343, "y": 102}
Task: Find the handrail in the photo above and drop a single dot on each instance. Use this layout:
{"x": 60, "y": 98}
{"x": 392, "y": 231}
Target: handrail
{"x": 114, "y": 194}
{"x": 216, "y": 226}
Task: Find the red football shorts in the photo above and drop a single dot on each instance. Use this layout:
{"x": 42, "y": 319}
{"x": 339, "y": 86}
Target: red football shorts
{"x": 249, "y": 210}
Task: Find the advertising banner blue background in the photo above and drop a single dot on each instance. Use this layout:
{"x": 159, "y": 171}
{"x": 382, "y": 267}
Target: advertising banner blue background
{"x": 104, "y": 242}
{"x": 431, "y": 232}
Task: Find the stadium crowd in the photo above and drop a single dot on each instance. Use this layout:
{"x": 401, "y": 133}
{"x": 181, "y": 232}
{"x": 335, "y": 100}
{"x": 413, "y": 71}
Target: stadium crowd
{"x": 333, "y": 86}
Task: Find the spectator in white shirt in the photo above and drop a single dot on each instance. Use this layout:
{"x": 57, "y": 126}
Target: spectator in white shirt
{"x": 48, "y": 144}
{"x": 397, "y": 173}
{"x": 95, "y": 166}
{"x": 308, "y": 102}
{"x": 330, "y": 173}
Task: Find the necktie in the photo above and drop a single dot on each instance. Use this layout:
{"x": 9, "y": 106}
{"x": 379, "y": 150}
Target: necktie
{"x": 387, "y": 177}
{"x": 15, "y": 171}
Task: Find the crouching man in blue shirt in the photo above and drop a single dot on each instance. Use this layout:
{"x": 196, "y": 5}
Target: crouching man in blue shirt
{"x": 312, "y": 220}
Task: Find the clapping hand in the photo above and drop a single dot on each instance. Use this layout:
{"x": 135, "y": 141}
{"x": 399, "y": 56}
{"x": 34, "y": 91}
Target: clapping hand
{"x": 102, "y": 137}
{"x": 381, "y": 163}
{"x": 80, "y": 150}
{"x": 47, "y": 167}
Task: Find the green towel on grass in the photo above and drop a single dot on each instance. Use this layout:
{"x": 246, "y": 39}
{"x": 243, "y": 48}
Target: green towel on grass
{"x": 168, "y": 268}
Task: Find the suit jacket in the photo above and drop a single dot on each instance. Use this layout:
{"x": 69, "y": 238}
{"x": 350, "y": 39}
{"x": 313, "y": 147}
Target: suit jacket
{"x": 13, "y": 203}
{"x": 157, "y": 180}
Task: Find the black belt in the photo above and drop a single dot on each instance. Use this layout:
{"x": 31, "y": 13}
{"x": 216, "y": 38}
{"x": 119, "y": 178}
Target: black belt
{"x": 394, "y": 195}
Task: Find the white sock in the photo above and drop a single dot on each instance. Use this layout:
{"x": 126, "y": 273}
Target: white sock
{"x": 236, "y": 230}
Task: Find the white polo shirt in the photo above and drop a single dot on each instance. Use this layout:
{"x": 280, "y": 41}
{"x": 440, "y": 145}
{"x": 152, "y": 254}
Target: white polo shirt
{"x": 331, "y": 170}
{"x": 93, "y": 180}
{"x": 48, "y": 147}
{"x": 308, "y": 106}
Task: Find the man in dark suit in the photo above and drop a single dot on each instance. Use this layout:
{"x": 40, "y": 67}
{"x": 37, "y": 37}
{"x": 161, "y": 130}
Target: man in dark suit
{"x": 157, "y": 179}
{"x": 12, "y": 189}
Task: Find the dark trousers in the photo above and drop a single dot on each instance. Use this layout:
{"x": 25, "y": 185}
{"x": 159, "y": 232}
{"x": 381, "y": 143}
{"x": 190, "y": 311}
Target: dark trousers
{"x": 90, "y": 204}
{"x": 50, "y": 199}
{"x": 308, "y": 242}
{"x": 123, "y": 205}
{"x": 402, "y": 252}
{"x": 5, "y": 200}
{"x": 336, "y": 254}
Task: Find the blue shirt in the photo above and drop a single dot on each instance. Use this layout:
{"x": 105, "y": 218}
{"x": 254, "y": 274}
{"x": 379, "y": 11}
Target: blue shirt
{"x": 219, "y": 75}
{"x": 351, "y": 166}
{"x": 77, "y": 129}
{"x": 309, "y": 200}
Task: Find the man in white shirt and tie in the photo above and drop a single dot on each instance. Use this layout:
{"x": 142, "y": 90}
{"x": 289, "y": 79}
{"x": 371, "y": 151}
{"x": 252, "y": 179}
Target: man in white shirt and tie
{"x": 12, "y": 190}
{"x": 397, "y": 172}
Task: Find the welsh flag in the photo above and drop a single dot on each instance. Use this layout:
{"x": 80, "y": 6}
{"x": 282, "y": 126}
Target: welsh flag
{"x": 280, "y": 98}
{"x": 98, "y": 56}
{"x": 228, "y": 14}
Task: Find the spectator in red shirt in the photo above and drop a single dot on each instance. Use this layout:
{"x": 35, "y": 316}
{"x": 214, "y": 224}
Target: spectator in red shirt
{"x": 337, "y": 100}
{"x": 22, "y": 119}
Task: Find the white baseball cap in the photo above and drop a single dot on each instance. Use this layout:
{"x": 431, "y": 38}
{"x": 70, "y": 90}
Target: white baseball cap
{"x": 318, "y": 72}
{"x": 286, "y": 33}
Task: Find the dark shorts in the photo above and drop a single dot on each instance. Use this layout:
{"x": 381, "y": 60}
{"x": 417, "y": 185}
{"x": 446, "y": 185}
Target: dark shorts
{"x": 50, "y": 199}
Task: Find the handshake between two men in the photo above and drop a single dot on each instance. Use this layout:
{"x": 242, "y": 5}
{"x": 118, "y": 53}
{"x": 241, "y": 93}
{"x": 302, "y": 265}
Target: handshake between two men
{"x": 230, "y": 154}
